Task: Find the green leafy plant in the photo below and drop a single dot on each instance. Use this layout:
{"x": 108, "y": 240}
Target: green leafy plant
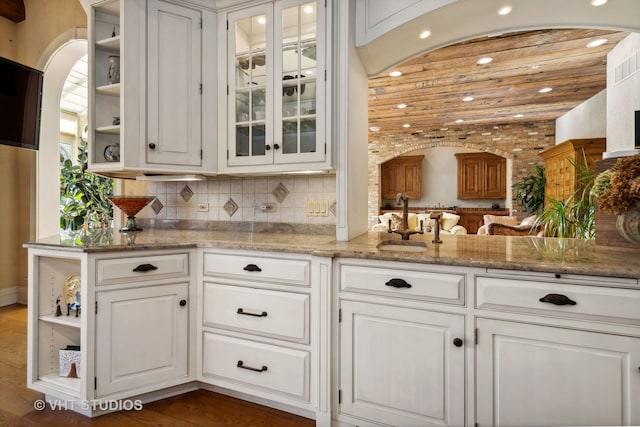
{"x": 83, "y": 195}
{"x": 530, "y": 190}
{"x": 574, "y": 217}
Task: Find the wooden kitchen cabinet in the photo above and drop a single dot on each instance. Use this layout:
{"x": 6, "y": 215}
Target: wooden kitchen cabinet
{"x": 402, "y": 175}
{"x": 562, "y": 177}
{"x": 481, "y": 176}
{"x": 400, "y": 365}
{"x": 276, "y": 114}
{"x": 473, "y": 218}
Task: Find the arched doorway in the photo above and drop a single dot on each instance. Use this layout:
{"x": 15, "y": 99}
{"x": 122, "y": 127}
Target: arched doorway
{"x": 59, "y": 58}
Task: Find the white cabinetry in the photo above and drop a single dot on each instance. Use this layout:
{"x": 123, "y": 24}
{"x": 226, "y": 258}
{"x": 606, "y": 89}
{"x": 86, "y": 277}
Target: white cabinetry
{"x": 166, "y": 86}
{"x": 133, "y": 330}
{"x": 276, "y": 111}
{"x": 580, "y": 368}
{"x": 256, "y": 331}
{"x": 402, "y": 361}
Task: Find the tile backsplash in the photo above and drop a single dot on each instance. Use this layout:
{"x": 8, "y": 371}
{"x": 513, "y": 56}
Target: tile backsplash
{"x": 239, "y": 199}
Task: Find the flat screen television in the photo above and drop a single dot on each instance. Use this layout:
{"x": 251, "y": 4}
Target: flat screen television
{"x": 20, "y": 101}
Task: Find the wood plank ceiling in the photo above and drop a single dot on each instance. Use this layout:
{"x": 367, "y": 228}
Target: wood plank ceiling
{"x": 433, "y": 85}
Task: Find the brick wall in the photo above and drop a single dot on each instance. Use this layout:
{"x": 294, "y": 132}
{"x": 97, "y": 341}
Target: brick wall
{"x": 519, "y": 142}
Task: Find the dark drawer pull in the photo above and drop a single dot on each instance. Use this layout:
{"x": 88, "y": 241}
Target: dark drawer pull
{"x": 458, "y": 342}
{"x": 142, "y": 268}
{"x": 252, "y": 267}
{"x": 557, "y": 299}
{"x": 241, "y": 311}
{"x": 398, "y": 283}
{"x": 241, "y": 365}
{"x": 183, "y": 302}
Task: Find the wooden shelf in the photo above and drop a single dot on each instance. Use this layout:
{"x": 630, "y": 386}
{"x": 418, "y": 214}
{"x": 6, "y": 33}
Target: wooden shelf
{"x": 110, "y": 130}
{"x": 109, "y": 90}
{"x": 70, "y": 320}
{"x": 112, "y": 44}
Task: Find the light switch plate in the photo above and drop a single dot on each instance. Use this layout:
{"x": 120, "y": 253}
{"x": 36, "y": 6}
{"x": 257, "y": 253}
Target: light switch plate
{"x": 203, "y": 207}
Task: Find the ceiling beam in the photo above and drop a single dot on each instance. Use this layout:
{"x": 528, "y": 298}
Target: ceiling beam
{"x": 13, "y": 10}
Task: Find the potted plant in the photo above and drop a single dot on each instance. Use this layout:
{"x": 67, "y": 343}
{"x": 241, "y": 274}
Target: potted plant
{"x": 84, "y": 196}
{"x": 530, "y": 190}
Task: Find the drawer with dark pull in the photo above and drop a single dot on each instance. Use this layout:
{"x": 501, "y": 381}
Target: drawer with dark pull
{"x": 122, "y": 270}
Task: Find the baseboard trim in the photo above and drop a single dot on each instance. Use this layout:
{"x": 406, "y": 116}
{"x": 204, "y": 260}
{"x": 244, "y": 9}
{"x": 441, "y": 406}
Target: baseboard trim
{"x": 8, "y": 296}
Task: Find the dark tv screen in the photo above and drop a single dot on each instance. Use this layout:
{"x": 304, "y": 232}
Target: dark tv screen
{"x": 20, "y": 101}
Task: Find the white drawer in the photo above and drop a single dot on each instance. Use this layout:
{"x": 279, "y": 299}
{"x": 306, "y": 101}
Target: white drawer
{"x": 439, "y": 287}
{"x": 120, "y": 270}
{"x": 257, "y": 365}
{"x": 579, "y": 300}
{"x": 270, "y": 313}
{"x": 262, "y": 268}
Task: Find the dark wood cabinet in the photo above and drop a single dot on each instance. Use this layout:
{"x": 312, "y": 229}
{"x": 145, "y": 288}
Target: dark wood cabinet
{"x": 401, "y": 175}
{"x": 473, "y": 218}
{"x": 481, "y": 176}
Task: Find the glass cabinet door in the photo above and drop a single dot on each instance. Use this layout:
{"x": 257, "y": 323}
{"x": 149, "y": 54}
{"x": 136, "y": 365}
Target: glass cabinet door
{"x": 251, "y": 64}
{"x": 297, "y": 82}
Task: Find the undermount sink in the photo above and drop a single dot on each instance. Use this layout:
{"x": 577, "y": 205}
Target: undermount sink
{"x": 403, "y": 245}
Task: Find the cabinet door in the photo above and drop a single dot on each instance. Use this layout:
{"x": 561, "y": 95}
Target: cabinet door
{"x": 494, "y": 178}
{"x": 299, "y": 62}
{"x": 249, "y": 70}
{"x": 141, "y": 337}
{"x": 392, "y": 179}
{"x": 413, "y": 178}
{"x": 546, "y": 376}
{"x": 400, "y": 366}
{"x": 469, "y": 178}
{"x": 174, "y": 39}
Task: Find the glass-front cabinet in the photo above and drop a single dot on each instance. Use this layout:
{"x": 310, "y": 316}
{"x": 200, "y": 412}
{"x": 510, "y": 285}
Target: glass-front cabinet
{"x": 276, "y": 84}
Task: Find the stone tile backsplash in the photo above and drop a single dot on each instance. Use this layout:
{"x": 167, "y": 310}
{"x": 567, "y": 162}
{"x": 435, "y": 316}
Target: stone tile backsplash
{"x": 289, "y": 194}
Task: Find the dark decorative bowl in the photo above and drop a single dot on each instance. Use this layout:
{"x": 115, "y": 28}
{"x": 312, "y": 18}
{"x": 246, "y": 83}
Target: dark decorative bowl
{"x": 130, "y": 205}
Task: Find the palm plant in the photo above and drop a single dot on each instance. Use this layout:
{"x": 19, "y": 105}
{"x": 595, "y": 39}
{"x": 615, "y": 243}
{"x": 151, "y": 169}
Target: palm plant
{"x": 574, "y": 217}
{"x": 83, "y": 195}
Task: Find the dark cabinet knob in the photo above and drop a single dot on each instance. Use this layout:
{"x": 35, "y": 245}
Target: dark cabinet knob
{"x": 276, "y": 146}
{"x": 183, "y": 302}
{"x": 152, "y": 145}
{"x": 267, "y": 147}
{"x": 457, "y": 342}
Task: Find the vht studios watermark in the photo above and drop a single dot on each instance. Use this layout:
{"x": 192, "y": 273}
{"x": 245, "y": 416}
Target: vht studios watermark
{"x": 86, "y": 405}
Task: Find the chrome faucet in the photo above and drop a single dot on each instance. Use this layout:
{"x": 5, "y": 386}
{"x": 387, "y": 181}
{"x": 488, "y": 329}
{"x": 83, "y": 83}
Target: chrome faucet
{"x": 405, "y": 232}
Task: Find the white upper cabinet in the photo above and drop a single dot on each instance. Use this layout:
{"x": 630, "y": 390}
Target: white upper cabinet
{"x": 148, "y": 117}
{"x": 276, "y": 83}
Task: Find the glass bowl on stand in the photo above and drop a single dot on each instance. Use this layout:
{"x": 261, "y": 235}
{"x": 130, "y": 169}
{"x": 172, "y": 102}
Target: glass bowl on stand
{"x": 130, "y": 206}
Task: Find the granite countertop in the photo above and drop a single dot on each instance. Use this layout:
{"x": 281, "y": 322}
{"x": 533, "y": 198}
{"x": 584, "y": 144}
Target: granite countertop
{"x": 564, "y": 256}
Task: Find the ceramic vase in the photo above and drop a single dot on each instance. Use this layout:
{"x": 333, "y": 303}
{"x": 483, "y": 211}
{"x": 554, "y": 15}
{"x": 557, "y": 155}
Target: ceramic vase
{"x": 628, "y": 224}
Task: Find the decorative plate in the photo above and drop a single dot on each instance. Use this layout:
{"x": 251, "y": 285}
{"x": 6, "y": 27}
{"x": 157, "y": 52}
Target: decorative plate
{"x": 71, "y": 291}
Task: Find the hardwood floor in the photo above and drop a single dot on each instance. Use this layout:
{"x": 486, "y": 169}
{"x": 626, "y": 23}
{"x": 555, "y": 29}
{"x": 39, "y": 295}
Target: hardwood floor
{"x": 198, "y": 408}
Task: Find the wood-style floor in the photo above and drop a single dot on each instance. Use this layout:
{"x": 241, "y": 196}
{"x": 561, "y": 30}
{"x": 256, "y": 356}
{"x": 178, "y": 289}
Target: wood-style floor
{"x": 198, "y": 408}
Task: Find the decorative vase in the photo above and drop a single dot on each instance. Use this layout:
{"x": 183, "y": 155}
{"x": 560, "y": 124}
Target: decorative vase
{"x": 113, "y": 75}
{"x": 628, "y": 224}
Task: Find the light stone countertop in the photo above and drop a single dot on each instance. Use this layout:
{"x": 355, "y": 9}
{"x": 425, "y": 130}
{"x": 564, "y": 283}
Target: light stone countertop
{"x": 562, "y": 256}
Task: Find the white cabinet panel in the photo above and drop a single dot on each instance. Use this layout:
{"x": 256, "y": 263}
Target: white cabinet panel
{"x": 141, "y": 337}
{"x": 400, "y": 366}
{"x": 545, "y": 376}
{"x": 271, "y": 313}
{"x": 122, "y": 270}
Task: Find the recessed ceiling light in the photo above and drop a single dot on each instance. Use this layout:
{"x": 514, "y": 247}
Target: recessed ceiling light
{"x": 516, "y": 149}
{"x": 468, "y": 98}
{"x": 262, "y": 20}
{"x": 517, "y": 116}
{"x": 505, "y": 10}
{"x": 484, "y": 61}
{"x": 535, "y": 66}
{"x": 545, "y": 90}
{"x": 406, "y": 125}
{"x": 401, "y": 106}
{"x": 598, "y": 2}
{"x": 308, "y": 9}
{"x": 395, "y": 73}
{"x": 374, "y": 128}
{"x": 425, "y": 34}
{"x": 597, "y": 42}
{"x": 459, "y": 121}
